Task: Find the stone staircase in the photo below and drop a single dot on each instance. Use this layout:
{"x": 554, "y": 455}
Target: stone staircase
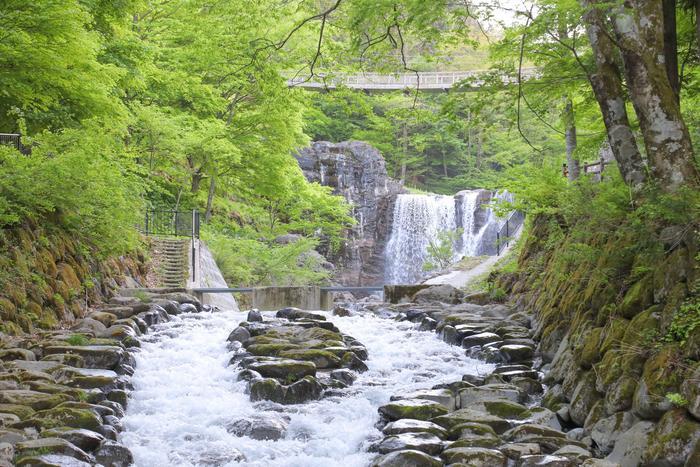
{"x": 171, "y": 260}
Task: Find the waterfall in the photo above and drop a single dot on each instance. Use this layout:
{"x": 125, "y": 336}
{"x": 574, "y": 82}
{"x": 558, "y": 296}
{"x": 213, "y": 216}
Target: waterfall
{"x": 418, "y": 220}
{"x": 208, "y": 275}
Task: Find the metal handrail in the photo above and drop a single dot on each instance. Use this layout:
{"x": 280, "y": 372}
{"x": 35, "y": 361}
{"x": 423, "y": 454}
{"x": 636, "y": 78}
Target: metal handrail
{"x": 510, "y": 227}
{"x": 15, "y": 140}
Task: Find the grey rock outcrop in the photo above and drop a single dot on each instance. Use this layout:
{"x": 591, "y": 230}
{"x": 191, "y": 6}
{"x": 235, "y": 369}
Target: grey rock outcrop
{"x": 356, "y": 171}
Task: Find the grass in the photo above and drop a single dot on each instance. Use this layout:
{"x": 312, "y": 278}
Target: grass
{"x": 77, "y": 339}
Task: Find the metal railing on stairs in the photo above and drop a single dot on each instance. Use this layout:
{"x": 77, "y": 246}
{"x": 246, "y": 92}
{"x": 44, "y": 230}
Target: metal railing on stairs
{"x": 176, "y": 224}
{"x": 14, "y": 140}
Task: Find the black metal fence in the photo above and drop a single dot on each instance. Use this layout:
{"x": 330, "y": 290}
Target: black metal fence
{"x": 14, "y": 140}
{"x": 176, "y": 223}
{"x": 508, "y": 229}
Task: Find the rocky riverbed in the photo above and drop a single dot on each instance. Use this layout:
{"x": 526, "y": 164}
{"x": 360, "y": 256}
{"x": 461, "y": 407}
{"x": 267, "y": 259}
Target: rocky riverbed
{"x": 63, "y": 393}
{"x": 157, "y": 379}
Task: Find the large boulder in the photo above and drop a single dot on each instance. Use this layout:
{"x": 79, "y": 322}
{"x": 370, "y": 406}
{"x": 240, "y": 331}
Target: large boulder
{"x": 475, "y": 457}
{"x": 407, "y": 458}
{"x": 673, "y": 441}
{"x": 424, "y": 442}
{"x": 418, "y": 409}
{"x": 265, "y": 426}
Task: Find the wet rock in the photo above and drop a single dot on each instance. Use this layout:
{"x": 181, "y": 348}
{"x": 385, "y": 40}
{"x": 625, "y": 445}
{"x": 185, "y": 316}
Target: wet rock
{"x": 407, "y": 425}
{"x": 240, "y": 334}
{"x": 529, "y": 432}
{"x": 352, "y": 361}
{"x": 341, "y": 311}
{"x": 113, "y": 454}
{"x": 293, "y": 314}
{"x": 427, "y": 324}
{"x": 527, "y": 385}
{"x": 407, "y": 458}
{"x": 51, "y": 460}
{"x": 109, "y": 432}
{"x": 503, "y": 408}
{"x": 424, "y": 442}
{"x": 286, "y": 370}
{"x": 346, "y": 377}
{"x": 187, "y": 308}
{"x": 266, "y": 389}
{"x": 44, "y": 446}
{"x": 517, "y": 450}
{"x": 94, "y": 356}
{"x": 631, "y": 444}
{"x": 452, "y": 419}
{"x": 544, "y": 416}
{"x": 303, "y": 390}
{"x": 86, "y": 440}
{"x": 449, "y": 335}
{"x": 444, "y": 397}
{"x": 319, "y": 357}
{"x": 474, "y": 435}
{"x": 261, "y": 427}
{"x": 254, "y": 315}
{"x": 546, "y": 460}
{"x": 480, "y": 339}
{"x": 474, "y": 457}
{"x": 418, "y": 409}
{"x": 512, "y": 353}
{"x": 584, "y": 398}
{"x": 490, "y": 392}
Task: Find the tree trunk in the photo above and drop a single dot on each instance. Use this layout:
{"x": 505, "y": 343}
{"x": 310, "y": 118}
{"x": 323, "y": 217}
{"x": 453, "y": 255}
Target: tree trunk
{"x": 479, "y": 148}
{"x": 571, "y": 143}
{"x": 210, "y": 198}
{"x": 607, "y": 87}
{"x": 697, "y": 21}
{"x": 404, "y": 156}
{"x": 444, "y": 163}
{"x": 671, "y": 46}
{"x": 639, "y": 32}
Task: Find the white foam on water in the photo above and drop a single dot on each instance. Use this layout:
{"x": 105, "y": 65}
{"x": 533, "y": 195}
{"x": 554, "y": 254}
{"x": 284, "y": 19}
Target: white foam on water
{"x": 184, "y": 395}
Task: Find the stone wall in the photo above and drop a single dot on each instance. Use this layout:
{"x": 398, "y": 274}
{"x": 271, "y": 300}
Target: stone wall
{"x": 356, "y": 171}
{"x": 46, "y": 277}
{"x": 608, "y": 334}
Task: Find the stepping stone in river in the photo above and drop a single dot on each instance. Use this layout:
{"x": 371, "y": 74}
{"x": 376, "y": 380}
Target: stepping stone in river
{"x": 407, "y": 458}
{"x": 424, "y": 442}
{"x": 418, "y": 409}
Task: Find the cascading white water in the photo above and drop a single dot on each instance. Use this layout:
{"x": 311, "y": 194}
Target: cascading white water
{"x": 184, "y": 395}
{"x": 208, "y": 275}
{"x": 418, "y": 220}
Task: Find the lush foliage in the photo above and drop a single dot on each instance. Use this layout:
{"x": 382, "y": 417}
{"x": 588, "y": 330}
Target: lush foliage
{"x": 177, "y": 105}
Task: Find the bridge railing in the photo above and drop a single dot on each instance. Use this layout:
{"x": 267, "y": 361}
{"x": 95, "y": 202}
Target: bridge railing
{"x": 424, "y": 80}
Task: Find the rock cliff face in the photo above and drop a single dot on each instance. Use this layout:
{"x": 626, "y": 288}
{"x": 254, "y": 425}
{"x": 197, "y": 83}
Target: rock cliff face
{"x": 356, "y": 171}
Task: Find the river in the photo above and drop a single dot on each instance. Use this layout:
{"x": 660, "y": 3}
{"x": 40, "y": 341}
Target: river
{"x": 185, "y": 393}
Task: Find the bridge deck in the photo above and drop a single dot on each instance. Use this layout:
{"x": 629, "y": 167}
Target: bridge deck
{"x": 323, "y": 289}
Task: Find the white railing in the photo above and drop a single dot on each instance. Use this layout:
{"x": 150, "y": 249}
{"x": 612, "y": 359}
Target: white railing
{"x": 421, "y": 80}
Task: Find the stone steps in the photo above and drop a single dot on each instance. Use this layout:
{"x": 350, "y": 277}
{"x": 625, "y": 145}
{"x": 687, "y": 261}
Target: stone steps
{"x": 172, "y": 261}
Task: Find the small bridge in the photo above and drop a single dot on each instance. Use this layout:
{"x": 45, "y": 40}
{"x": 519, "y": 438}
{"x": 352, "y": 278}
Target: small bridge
{"x": 308, "y": 297}
{"x": 428, "y": 81}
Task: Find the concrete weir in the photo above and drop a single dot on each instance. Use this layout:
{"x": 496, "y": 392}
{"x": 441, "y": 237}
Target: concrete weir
{"x": 304, "y": 297}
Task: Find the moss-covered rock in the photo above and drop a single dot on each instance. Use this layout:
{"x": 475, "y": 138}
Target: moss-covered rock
{"x": 584, "y": 398}
{"x": 673, "y": 440}
{"x": 638, "y": 298}
{"x": 474, "y": 457}
{"x": 662, "y": 375}
{"x": 34, "y": 399}
{"x": 418, "y": 409}
{"x": 22, "y": 411}
{"x": 407, "y": 425}
{"x": 286, "y": 370}
{"x": 321, "y": 358}
{"x": 271, "y": 349}
{"x": 589, "y": 352}
{"x": 407, "y": 458}
{"x": 65, "y": 416}
{"x": 450, "y": 420}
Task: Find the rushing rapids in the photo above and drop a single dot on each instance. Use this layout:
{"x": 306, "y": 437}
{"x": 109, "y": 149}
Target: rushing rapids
{"x": 185, "y": 395}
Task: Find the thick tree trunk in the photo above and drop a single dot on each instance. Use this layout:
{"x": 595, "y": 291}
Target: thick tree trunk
{"x": 404, "y": 156}
{"x": 571, "y": 140}
{"x": 210, "y": 198}
{"x": 444, "y": 163}
{"x": 639, "y": 31}
{"x": 671, "y": 46}
{"x": 479, "y": 148}
{"x": 607, "y": 87}
{"x": 697, "y": 21}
